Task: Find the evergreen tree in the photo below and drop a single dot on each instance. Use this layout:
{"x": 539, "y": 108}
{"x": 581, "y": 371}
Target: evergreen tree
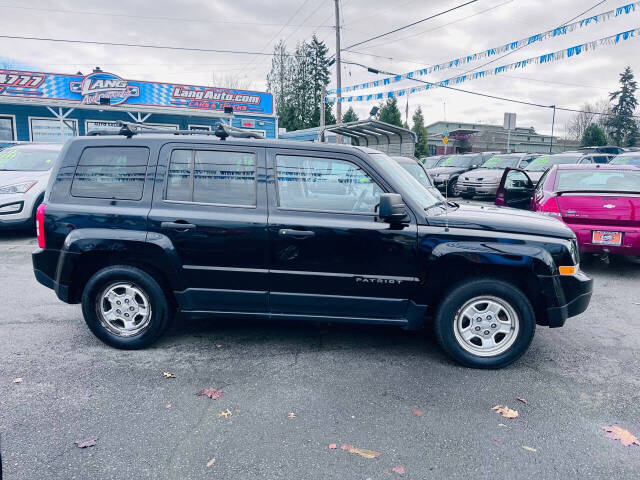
{"x": 349, "y": 116}
{"x": 389, "y": 112}
{"x": 594, "y": 136}
{"x": 297, "y": 83}
{"x": 621, "y": 125}
{"x": 422, "y": 146}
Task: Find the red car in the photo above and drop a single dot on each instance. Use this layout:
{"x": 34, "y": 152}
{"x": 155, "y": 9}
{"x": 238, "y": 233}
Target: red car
{"x": 600, "y": 203}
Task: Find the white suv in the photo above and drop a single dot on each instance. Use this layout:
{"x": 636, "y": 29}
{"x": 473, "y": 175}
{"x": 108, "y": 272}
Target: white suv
{"x": 24, "y": 174}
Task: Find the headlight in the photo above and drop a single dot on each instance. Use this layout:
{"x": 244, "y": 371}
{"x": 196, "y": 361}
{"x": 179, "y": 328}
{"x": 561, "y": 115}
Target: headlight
{"x": 17, "y": 187}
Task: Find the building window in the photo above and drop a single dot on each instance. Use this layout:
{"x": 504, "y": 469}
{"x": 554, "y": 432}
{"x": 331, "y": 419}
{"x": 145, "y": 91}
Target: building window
{"x": 111, "y": 172}
{"x": 51, "y": 130}
{"x": 7, "y": 132}
{"x": 214, "y": 177}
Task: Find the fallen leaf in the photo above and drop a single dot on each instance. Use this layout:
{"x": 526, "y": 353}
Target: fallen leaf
{"x": 523, "y": 400}
{"x": 218, "y": 346}
{"x": 211, "y": 462}
{"x": 169, "y": 375}
{"x": 529, "y": 449}
{"x": 237, "y": 410}
{"x": 399, "y": 470}
{"x": 86, "y": 442}
{"x": 505, "y": 411}
{"x": 332, "y": 446}
{"x": 211, "y": 392}
{"x": 292, "y": 415}
{"x": 626, "y": 438}
{"x": 363, "y": 452}
{"x": 417, "y": 413}
{"x": 225, "y": 414}
{"x": 17, "y": 380}
{"x": 168, "y": 405}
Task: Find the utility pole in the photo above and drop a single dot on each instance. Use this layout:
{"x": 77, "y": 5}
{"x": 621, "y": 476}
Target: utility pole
{"x": 338, "y": 65}
{"x": 553, "y": 124}
{"x": 322, "y": 112}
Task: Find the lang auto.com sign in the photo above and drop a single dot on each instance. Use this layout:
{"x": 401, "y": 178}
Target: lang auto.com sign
{"x": 91, "y": 88}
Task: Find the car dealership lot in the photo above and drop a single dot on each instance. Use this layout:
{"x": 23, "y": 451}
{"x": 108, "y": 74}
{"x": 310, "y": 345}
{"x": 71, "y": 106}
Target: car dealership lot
{"x": 346, "y": 384}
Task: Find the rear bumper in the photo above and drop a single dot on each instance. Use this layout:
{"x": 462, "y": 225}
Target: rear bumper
{"x": 566, "y": 296}
{"x": 45, "y": 263}
{"x": 630, "y": 239}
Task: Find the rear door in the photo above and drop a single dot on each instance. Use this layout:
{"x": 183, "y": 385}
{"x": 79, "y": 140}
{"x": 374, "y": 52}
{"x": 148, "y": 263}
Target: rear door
{"x": 328, "y": 253}
{"x": 210, "y": 204}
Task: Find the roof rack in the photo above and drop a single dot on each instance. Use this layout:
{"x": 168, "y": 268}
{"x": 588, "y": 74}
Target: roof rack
{"x": 129, "y": 129}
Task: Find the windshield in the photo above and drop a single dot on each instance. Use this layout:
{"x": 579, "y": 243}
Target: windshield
{"x": 458, "y": 161}
{"x": 501, "y": 162}
{"x": 430, "y": 162}
{"x": 626, "y": 160}
{"x": 27, "y": 159}
{"x": 598, "y": 181}
{"x": 412, "y": 187}
{"x": 545, "y": 162}
{"x": 417, "y": 172}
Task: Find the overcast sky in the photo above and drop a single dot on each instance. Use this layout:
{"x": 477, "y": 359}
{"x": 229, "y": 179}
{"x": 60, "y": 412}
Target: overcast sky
{"x": 258, "y": 25}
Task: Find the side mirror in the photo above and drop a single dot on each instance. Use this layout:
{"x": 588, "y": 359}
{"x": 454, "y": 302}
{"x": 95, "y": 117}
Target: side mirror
{"x": 392, "y": 208}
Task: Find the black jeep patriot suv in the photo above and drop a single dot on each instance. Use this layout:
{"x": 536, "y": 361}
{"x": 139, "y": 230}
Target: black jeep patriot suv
{"x": 141, "y": 227}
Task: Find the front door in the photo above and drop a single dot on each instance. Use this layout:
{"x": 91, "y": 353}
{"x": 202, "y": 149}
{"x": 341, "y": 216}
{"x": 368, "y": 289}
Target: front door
{"x": 209, "y": 209}
{"x": 329, "y": 255}
{"x": 516, "y": 188}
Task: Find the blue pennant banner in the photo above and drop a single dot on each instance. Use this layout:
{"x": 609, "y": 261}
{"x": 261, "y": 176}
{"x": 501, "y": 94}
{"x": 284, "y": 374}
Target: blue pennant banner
{"x": 488, "y": 53}
{"x": 540, "y": 59}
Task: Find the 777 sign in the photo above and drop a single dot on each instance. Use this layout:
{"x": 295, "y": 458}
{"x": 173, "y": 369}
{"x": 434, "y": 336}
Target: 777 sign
{"x": 17, "y": 79}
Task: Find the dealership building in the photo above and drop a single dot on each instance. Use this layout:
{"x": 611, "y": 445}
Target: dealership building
{"x": 51, "y": 107}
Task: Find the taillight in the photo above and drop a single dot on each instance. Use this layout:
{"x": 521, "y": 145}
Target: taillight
{"x": 550, "y": 207}
{"x": 40, "y": 224}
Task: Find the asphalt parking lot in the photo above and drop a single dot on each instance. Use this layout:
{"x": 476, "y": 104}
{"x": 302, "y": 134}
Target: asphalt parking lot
{"x": 356, "y": 385}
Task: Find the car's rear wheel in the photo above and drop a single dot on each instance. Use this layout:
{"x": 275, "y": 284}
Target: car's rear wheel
{"x": 485, "y": 323}
{"x": 125, "y": 307}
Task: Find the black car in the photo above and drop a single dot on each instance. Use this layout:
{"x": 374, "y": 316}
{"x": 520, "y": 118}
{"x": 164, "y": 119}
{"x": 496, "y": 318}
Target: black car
{"x": 139, "y": 228}
{"x": 445, "y": 174}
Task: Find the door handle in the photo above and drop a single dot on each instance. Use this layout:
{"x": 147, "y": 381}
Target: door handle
{"x": 180, "y": 226}
{"x": 289, "y": 232}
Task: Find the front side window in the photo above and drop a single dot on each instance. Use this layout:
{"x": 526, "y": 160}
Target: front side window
{"x": 111, "y": 172}
{"x": 326, "y": 184}
{"x": 211, "y": 176}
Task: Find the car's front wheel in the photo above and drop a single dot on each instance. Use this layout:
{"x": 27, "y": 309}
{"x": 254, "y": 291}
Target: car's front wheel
{"x": 125, "y": 307}
{"x": 485, "y": 323}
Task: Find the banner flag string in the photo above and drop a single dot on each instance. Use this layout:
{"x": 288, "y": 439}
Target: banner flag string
{"x": 540, "y": 59}
{"x": 539, "y": 37}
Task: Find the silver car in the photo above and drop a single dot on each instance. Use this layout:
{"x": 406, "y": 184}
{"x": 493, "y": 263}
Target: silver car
{"x": 24, "y": 174}
{"x": 484, "y": 181}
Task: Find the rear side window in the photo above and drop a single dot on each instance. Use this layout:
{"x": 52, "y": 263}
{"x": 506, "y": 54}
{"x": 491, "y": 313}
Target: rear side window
{"x": 111, "y": 173}
{"x": 212, "y": 176}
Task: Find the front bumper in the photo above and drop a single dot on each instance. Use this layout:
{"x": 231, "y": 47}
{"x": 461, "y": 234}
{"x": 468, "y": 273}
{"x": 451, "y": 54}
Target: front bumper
{"x": 477, "y": 189}
{"x": 565, "y": 296}
{"x": 19, "y": 218}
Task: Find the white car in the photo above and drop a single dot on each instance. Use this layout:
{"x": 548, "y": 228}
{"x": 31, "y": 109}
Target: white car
{"x": 24, "y": 174}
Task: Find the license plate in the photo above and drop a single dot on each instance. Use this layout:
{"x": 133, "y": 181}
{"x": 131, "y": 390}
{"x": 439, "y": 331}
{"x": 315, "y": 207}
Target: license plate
{"x": 607, "y": 238}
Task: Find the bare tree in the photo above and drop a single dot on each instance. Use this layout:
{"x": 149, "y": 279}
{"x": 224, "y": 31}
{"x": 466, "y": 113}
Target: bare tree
{"x": 580, "y": 121}
{"x": 235, "y": 82}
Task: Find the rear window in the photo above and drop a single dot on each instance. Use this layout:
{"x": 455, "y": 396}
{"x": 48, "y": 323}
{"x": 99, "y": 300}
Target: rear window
{"x": 116, "y": 173}
{"x": 597, "y": 181}
{"x": 210, "y": 176}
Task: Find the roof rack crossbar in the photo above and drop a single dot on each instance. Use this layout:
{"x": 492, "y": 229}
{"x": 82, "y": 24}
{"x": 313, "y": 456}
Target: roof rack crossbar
{"x": 129, "y": 129}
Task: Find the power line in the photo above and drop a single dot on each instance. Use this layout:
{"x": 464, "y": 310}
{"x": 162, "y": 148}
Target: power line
{"x": 142, "y": 45}
{"x": 523, "y": 46}
{"x": 410, "y": 24}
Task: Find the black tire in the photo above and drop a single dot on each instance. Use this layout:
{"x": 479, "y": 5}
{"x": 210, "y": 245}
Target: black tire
{"x": 451, "y": 187}
{"x": 161, "y": 312}
{"x": 455, "y": 299}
